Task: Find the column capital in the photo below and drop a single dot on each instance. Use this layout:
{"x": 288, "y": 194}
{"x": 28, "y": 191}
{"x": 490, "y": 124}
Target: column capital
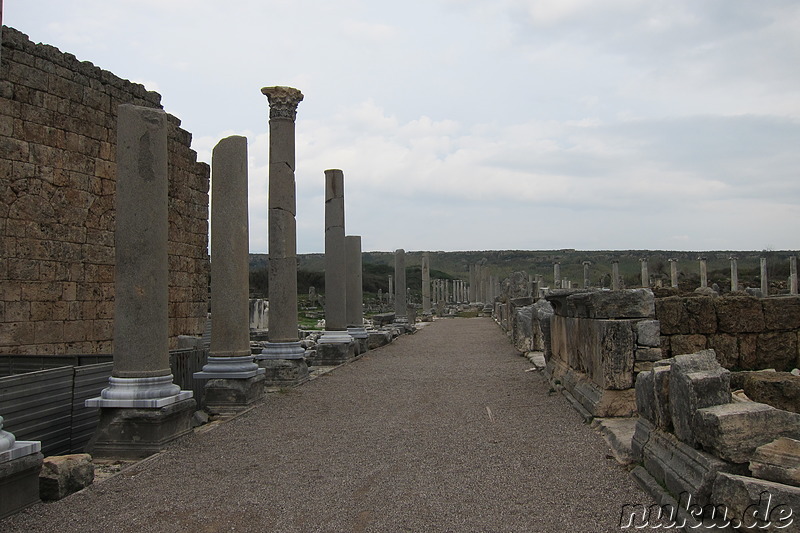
{"x": 282, "y": 101}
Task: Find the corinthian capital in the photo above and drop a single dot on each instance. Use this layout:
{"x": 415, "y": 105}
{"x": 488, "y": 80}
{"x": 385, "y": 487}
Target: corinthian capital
{"x": 282, "y": 101}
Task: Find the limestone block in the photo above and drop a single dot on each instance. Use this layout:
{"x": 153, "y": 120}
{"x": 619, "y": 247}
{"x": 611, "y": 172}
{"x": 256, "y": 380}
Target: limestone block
{"x": 523, "y": 328}
{"x": 739, "y": 314}
{"x": 376, "y": 339}
{"x": 661, "y": 408}
{"x": 645, "y": 397}
{"x": 617, "y": 347}
{"x": 781, "y": 313}
{"x": 672, "y": 315}
{"x": 687, "y": 344}
{"x": 733, "y": 431}
{"x": 628, "y": 303}
{"x": 701, "y": 315}
{"x": 648, "y": 333}
{"x": 696, "y": 381}
{"x": 777, "y": 349}
{"x": 778, "y": 389}
{"x": 61, "y": 475}
{"x": 726, "y": 347}
{"x": 648, "y": 354}
{"x": 778, "y": 461}
{"x": 757, "y": 505}
{"x": 679, "y": 467}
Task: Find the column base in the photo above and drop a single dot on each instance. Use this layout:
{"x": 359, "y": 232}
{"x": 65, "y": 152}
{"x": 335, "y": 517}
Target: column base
{"x": 359, "y": 334}
{"x": 228, "y": 396}
{"x": 135, "y": 433}
{"x": 332, "y": 354}
{"x": 229, "y": 368}
{"x": 284, "y": 364}
{"x": 19, "y": 480}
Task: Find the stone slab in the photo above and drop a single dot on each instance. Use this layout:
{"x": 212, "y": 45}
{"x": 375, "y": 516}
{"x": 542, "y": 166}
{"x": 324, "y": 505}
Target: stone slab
{"x": 228, "y": 396}
{"x": 152, "y": 403}
{"x": 778, "y": 461}
{"x": 733, "y": 431}
{"x": 618, "y": 434}
{"x": 696, "y": 381}
{"x": 758, "y": 504}
{"x": 62, "y": 475}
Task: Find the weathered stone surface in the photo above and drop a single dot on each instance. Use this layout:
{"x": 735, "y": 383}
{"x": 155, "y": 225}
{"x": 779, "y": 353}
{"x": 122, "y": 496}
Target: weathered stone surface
{"x": 777, "y": 349}
{"x": 19, "y": 483}
{"x": 648, "y": 354}
{"x": 701, "y": 315}
{"x": 661, "y": 407}
{"x": 61, "y": 475}
{"x": 781, "y": 313}
{"x": 334, "y": 353}
{"x": 376, "y": 339}
{"x": 279, "y": 373}
{"x": 697, "y": 381}
{"x": 733, "y": 431}
{"x": 225, "y": 396}
{"x": 628, "y": 303}
{"x": 648, "y": 333}
{"x": 726, "y": 346}
{"x": 616, "y": 352}
{"x": 645, "y": 396}
{"x": 677, "y": 466}
{"x": 778, "y": 389}
{"x": 739, "y": 314}
{"x": 778, "y": 461}
{"x": 755, "y": 504}
{"x": 523, "y": 328}
{"x": 687, "y": 344}
{"x": 672, "y": 315}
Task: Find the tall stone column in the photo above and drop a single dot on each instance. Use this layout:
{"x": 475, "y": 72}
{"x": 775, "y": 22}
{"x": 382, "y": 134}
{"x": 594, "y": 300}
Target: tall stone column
{"x": 142, "y": 409}
{"x": 557, "y": 275}
{"x": 426, "y": 283}
{"x": 586, "y": 282}
{"x": 645, "y": 272}
{"x": 764, "y": 278}
{"x": 336, "y": 345}
{"x": 283, "y": 357}
{"x": 400, "y": 310}
{"x": 703, "y": 272}
{"x": 390, "y": 293}
{"x": 471, "y": 294}
{"x": 734, "y": 274}
{"x": 673, "y": 272}
{"x": 793, "y": 274}
{"x": 234, "y": 380}
{"x": 615, "y": 275}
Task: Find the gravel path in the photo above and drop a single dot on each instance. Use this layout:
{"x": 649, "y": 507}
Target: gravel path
{"x": 439, "y": 431}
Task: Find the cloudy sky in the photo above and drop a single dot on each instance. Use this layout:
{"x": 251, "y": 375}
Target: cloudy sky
{"x": 484, "y": 124}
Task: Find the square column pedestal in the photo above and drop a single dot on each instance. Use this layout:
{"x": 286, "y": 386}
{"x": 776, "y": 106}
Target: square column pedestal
{"x": 20, "y": 463}
{"x": 139, "y": 417}
{"x": 234, "y": 384}
{"x": 359, "y": 334}
{"x": 284, "y": 364}
{"x": 335, "y": 348}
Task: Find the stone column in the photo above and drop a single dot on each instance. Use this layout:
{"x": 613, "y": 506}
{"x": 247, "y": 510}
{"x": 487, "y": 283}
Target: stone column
{"x": 615, "y": 275}
{"x": 793, "y": 274}
{"x": 355, "y": 292}
{"x": 703, "y": 272}
{"x": 471, "y": 297}
{"x": 734, "y": 274}
{"x": 234, "y": 380}
{"x": 336, "y": 345}
{"x": 485, "y": 285}
{"x": 645, "y": 272}
{"x": 400, "y": 307}
{"x": 557, "y": 275}
{"x": 764, "y": 278}
{"x": 426, "y": 283}
{"x": 142, "y": 409}
{"x": 283, "y": 357}
{"x": 673, "y": 272}
{"x": 390, "y": 293}
{"x": 586, "y": 282}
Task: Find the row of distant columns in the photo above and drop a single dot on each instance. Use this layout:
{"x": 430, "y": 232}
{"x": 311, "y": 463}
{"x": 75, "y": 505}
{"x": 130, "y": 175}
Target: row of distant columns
{"x": 673, "y": 267}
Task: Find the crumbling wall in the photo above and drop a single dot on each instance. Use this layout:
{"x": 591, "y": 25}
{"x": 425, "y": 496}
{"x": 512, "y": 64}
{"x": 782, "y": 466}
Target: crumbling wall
{"x": 58, "y": 120}
{"x": 747, "y": 333}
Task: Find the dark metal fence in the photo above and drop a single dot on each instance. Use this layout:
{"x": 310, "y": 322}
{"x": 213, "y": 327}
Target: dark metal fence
{"x": 42, "y": 396}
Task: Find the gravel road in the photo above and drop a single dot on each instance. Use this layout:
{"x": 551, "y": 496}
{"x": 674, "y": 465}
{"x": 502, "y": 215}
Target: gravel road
{"x": 439, "y": 431}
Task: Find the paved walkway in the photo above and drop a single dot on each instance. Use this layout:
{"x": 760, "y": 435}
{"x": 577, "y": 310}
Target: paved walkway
{"x": 440, "y": 431}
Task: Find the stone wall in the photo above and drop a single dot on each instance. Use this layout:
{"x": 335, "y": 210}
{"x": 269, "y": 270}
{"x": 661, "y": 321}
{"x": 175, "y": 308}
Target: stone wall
{"x": 599, "y": 341}
{"x": 747, "y": 333}
{"x": 57, "y": 166}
